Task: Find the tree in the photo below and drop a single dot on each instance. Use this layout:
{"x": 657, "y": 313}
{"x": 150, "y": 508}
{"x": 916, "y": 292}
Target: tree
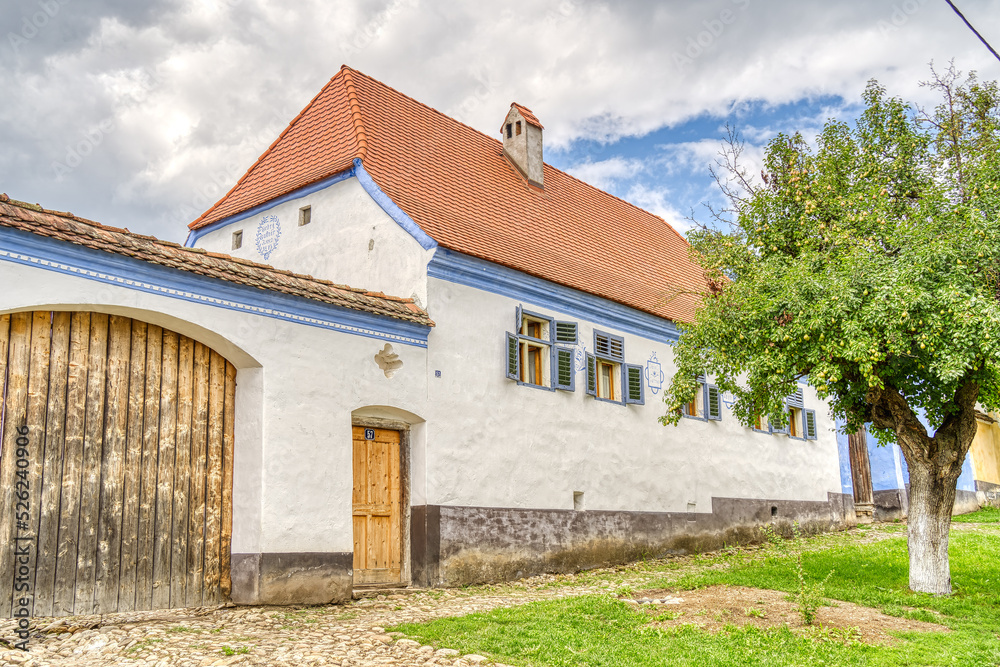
{"x": 868, "y": 263}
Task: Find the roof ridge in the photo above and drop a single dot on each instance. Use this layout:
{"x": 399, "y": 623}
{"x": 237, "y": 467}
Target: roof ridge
{"x": 267, "y": 152}
{"x": 355, "y": 109}
{"x": 500, "y": 144}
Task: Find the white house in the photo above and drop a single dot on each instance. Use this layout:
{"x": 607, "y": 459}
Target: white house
{"x": 515, "y": 433}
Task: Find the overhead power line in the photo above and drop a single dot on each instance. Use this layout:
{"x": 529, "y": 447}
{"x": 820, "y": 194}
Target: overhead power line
{"x": 981, "y": 39}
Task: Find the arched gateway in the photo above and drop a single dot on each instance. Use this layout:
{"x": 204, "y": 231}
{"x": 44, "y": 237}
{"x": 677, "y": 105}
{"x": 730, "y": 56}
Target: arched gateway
{"x": 115, "y": 465}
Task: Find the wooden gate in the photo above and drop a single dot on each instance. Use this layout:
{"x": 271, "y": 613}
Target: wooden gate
{"x": 115, "y": 466}
{"x": 377, "y": 507}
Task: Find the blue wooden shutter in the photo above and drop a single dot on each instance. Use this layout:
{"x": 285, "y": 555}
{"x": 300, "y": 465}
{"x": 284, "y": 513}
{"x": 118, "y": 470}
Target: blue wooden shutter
{"x": 713, "y": 406}
{"x": 809, "y": 424}
{"x": 517, "y": 320}
{"x": 513, "y": 356}
{"x": 609, "y": 347}
{"x": 563, "y": 376}
{"x": 795, "y": 400}
{"x": 566, "y": 332}
{"x": 634, "y": 391}
{"x": 591, "y": 374}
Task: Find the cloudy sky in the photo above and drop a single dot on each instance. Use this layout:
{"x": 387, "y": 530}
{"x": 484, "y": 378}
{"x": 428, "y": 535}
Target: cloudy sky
{"x": 141, "y": 114}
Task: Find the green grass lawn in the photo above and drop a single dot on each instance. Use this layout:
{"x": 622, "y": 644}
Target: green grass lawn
{"x": 601, "y": 630}
{"x": 985, "y": 515}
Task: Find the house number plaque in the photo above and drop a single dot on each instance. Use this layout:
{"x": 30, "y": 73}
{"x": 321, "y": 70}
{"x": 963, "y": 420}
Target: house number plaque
{"x": 369, "y": 434}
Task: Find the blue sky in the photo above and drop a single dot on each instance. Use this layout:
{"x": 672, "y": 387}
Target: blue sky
{"x": 667, "y": 170}
{"x": 142, "y": 115}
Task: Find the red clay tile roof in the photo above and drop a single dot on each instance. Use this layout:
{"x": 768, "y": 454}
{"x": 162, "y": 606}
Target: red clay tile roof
{"x": 67, "y": 227}
{"x": 455, "y": 183}
{"x": 529, "y": 117}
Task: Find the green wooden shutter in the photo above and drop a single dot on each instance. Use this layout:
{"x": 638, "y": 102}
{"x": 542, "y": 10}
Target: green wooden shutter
{"x": 563, "y": 376}
{"x": 513, "y": 357}
{"x": 634, "y": 390}
{"x": 566, "y": 332}
{"x": 591, "y": 374}
{"x": 809, "y": 421}
{"x": 784, "y": 424}
{"x": 714, "y": 403}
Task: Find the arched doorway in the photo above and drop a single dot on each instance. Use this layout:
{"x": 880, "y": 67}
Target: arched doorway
{"x": 116, "y": 446}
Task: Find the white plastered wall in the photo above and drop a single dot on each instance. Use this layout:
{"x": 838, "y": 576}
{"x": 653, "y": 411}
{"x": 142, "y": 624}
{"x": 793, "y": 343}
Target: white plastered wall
{"x": 297, "y": 386}
{"x": 494, "y": 443}
{"x": 350, "y": 241}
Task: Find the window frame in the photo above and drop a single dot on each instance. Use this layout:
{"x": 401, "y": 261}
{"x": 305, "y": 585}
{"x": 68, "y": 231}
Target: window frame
{"x": 616, "y": 373}
{"x": 548, "y": 349}
{"x": 701, "y": 415}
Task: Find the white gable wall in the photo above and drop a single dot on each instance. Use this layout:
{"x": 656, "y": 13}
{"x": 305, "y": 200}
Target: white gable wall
{"x": 350, "y": 241}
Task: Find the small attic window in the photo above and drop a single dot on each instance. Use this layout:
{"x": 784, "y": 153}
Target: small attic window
{"x": 509, "y": 135}
{"x": 305, "y": 215}
{"x": 518, "y": 128}
{"x": 237, "y": 240}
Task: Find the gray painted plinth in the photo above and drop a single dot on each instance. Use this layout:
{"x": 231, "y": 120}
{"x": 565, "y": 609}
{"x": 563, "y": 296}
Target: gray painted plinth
{"x": 292, "y": 578}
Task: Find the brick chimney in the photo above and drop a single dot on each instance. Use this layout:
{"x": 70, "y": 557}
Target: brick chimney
{"x": 522, "y": 142}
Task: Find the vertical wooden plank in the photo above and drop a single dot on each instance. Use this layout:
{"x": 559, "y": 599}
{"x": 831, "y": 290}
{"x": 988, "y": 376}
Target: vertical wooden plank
{"x": 199, "y": 438}
{"x": 228, "y": 439}
{"x": 112, "y": 479}
{"x": 64, "y": 592}
{"x": 861, "y": 470}
{"x": 395, "y": 509}
{"x": 150, "y": 451}
{"x": 360, "y": 499}
{"x": 52, "y": 466}
{"x": 182, "y": 473}
{"x": 213, "y": 492}
{"x": 133, "y": 467}
{"x": 165, "y": 472}
{"x": 15, "y": 408}
{"x": 38, "y": 403}
{"x": 90, "y": 487}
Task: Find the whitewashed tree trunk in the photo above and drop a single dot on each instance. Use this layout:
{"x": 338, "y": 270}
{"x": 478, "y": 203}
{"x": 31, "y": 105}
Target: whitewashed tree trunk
{"x": 932, "y": 497}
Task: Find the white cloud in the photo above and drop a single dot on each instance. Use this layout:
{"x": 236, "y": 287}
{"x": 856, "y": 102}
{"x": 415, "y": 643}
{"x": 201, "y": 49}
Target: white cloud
{"x": 231, "y": 73}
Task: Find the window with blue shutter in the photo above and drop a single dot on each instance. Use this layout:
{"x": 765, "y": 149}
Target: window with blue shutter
{"x": 591, "y": 374}
{"x": 533, "y": 359}
{"x": 564, "y": 374}
{"x": 696, "y": 408}
{"x": 714, "y": 403}
{"x": 809, "y": 424}
{"x": 634, "y": 390}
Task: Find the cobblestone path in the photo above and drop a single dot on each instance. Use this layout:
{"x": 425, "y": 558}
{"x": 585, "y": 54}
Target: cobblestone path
{"x": 345, "y": 635}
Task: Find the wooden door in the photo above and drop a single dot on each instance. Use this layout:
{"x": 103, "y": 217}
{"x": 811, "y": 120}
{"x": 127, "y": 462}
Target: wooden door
{"x": 378, "y": 511}
{"x": 116, "y": 452}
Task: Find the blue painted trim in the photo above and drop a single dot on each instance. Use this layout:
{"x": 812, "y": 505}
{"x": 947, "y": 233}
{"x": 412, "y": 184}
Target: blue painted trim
{"x": 535, "y": 386}
{"x": 473, "y": 272}
{"x": 64, "y": 257}
{"x": 196, "y": 234}
{"x": 390, "y": 207}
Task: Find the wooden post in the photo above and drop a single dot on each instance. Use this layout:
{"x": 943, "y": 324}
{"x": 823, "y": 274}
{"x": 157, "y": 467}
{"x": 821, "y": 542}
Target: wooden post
{"x": 861, "y": 473}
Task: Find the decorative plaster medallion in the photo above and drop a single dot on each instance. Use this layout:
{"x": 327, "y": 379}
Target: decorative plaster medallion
{"x": 581, "y": 358}
{"x": 268, "y": 233}
{"x": 654, "y": 374}
{"x": 728, "y": 400}
{"x": 388, "y": 361}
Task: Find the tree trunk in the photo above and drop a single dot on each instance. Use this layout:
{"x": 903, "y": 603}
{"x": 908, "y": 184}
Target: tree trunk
{"x": 932, "y": 497}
